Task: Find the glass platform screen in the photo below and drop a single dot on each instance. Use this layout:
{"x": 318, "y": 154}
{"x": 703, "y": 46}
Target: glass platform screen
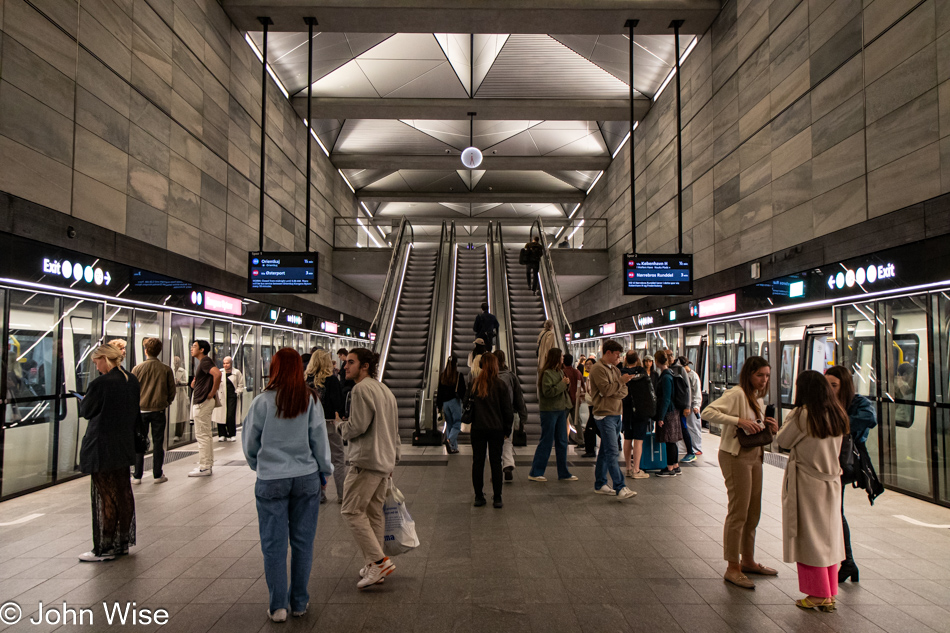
{"x": 658, "y": 275}
{"x": 282, "y": 272}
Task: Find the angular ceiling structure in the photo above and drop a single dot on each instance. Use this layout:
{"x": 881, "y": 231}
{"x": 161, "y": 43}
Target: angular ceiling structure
{"x": 533, "y": 167}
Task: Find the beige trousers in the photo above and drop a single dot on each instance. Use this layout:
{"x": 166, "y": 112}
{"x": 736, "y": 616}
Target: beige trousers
{"x": 743, "y": 475}
{"x": 364, "y": 492}
{"x": 203, "y": 432}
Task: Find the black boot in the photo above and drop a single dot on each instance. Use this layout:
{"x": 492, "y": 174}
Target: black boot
{"x": 847, "y": 570}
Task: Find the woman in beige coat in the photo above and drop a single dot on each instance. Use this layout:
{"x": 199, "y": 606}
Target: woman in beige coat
{"x": 741, "y": 409}
{"x": 545, "y": 343}
{"x": 811, "y": 493}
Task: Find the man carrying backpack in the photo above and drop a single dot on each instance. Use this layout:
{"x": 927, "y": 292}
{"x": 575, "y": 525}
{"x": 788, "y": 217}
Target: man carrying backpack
{"x": 531, "y": 256}
{"x": 683, "y": 401}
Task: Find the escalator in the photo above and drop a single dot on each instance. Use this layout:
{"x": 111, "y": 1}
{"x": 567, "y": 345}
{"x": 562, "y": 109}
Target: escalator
{"x": 405, "y": 362}
{"x": 527, "y": 318}
{"x": 471, "y": 290}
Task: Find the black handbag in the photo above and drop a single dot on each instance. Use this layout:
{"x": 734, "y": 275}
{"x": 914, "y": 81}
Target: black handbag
{"x": 519, "y": 437}
{"x": 762, "y": 438}
{"x": 866, "y": 476}
{"x": 467, "y": 415}
{"x": 849, "y": 459}
{"x": 141, "y": 436}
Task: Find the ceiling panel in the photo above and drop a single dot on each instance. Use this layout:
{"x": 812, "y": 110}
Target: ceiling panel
{"x": 614, "y": 132}
{"x": 575, "y": 178}
{"x": 348, "y": 80}
{"x": 439, "y": 83}
{"x": 381, "y": 136}
{"x": 540, "y": 67}
{"x": 530, "y": 181}
{"x": 360, "y": 178}
{"x": 457, "y": 49}
{"x": 457, "y": 133}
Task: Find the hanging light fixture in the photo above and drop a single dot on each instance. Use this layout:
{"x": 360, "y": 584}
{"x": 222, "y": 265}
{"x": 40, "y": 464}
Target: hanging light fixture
{"x": 471, "y": 155}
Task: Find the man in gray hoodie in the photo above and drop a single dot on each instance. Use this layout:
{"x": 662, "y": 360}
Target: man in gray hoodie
{"x": 517, "y": 402}
{"x": 372, "y": 431}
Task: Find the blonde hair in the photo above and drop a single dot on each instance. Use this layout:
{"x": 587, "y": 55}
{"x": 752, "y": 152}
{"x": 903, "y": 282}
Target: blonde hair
{"x": 110, "y": 352}
{"x": 320, "y": 367}
{"x": 120, "y": 345}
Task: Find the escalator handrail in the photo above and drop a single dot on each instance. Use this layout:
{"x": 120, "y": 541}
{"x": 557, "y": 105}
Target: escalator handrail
{"x": 430, "y": 374}
{"x": 391, "y": 272}
{"x": 550, "y": 277}
{"x": 504, "y": 311}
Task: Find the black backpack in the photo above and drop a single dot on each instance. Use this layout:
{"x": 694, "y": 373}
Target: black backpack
{"x": 523, "y": 257}
{"x": 682, "y": 399}
{"x": 643, "y": 396}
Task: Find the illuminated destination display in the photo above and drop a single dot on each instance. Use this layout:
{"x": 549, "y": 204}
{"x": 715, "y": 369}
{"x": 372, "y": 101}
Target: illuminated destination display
{"x": 658, "y": 275}
{"x": 282, "y": 272}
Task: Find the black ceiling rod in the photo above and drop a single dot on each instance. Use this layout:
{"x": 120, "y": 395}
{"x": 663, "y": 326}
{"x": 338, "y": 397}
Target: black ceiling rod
{"x": 311, "y": 22}
{"x": 471, "y": 66}
{"x": 631, "y": 24}
{"x": 675, "y": 25}
{"x": 265, "y": 22}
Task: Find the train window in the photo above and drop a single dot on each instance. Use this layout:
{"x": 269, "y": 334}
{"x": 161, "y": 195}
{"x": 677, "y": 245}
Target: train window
{"x": 82, "y": 329}
{"x": 821, "y": 353}
{"x": 788, "y": 372}
{"x": 118, "y": 326}
{"x": 31, "y": 371}
{"x": 906, "y": 376}
{"x": 148, "y": 324}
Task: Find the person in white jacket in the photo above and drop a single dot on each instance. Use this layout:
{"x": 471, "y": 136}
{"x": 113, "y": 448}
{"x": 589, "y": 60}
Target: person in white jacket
{"x": 229, "y": 394}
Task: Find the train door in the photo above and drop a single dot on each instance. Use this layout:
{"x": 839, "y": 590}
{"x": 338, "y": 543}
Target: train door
{"x": 887, "y": 347}
{"x": 941, "y": 347}
{"x": 695, "y": 344}
{"x": 178, "y": 344}
{"x": 731, "y": 343}
{"x": 118, "y": 327}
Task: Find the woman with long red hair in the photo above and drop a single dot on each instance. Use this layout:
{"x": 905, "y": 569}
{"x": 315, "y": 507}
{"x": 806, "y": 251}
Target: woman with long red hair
{"x": 285, "y": 442}
{"x": 492, "y": 417}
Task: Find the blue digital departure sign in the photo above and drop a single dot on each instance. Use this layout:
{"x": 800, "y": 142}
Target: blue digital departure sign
{"x": 282, "y": 272}
{"x": 658, "y": 275}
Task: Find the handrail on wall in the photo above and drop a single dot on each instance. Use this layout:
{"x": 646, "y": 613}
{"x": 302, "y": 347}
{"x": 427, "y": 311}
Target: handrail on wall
{"x": 392, "y": 290}
{"x": 426, "y": 415}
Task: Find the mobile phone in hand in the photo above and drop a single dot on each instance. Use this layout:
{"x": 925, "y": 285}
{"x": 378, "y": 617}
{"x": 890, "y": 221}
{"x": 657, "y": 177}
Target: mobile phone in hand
{"x": 78, "y": 395}
{"x": 770, "y": 411}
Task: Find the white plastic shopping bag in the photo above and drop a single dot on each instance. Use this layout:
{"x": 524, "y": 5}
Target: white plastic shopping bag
{"x": 400, "y": 533}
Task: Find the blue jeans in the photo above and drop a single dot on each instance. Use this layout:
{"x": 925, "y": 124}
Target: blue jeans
{"x": 452, "y": 410}
{"x": 287, "y": 509}
{"x": 607, "y": 456}
{"x": 553, "y": 432}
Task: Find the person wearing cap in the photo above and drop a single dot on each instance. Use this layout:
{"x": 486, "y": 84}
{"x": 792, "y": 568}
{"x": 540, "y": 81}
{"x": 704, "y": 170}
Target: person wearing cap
{"x": 694, "y": 423}
{"x": 475, "y": 360}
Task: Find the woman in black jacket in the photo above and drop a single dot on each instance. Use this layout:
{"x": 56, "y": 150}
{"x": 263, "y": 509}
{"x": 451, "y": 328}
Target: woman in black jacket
{"x": 492, "y": 416}
{"x": 449, "y": 401}
{"x": 111, "y": 405}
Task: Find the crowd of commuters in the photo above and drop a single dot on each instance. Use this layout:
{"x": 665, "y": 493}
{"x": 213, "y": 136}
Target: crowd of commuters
{"x": 314, "y": 420}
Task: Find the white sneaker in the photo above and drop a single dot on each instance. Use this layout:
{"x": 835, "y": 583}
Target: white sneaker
{"x": 625, "y": 493}
{"x": 221, "y": 438}
{"x": 363, "y": 573}
{"x": 375, "y": 573}
{"x": 605, "y": 490}
{"x": 160, "y": 480}
{"x": 280, "y": 615}
{"x": 89, "y": 557}
{"x": 136, "y": 481}
{"x": 200, "y": 472}
{"x": 300, "y": 614}
{"x": 530, "y": 478}
{"x": 232, "y": 439}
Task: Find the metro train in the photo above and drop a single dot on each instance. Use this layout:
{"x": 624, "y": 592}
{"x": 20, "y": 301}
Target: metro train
{"x": 50, "y": 338}
{"x": 895, "y": 340}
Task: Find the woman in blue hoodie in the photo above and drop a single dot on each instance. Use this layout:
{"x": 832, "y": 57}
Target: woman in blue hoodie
{"x": 285, "y": 442}
{"x": 863, "y": 418}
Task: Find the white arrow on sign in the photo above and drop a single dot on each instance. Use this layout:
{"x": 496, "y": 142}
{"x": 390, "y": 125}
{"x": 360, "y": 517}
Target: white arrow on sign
{"x": 107, "y": 278}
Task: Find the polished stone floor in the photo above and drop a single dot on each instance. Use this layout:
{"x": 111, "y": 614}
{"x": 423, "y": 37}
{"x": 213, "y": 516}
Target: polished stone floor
{"x": 557, "y": 558}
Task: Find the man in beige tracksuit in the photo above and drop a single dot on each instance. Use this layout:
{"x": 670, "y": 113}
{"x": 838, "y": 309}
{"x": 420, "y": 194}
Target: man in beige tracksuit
{"x": 372, "y": 431}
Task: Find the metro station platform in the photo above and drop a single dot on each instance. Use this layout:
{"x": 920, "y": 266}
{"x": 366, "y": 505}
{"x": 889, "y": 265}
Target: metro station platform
{"x": 557, "y": 558}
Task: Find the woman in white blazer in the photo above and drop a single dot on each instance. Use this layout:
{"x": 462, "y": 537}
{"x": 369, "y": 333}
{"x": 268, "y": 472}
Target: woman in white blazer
{"x": 229, "y": 395}
{"x": 812, "y": 534}
{"x": 738, "y": 410}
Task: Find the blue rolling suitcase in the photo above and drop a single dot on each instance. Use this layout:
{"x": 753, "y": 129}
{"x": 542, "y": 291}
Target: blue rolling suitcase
{"x": 654, "y": 454}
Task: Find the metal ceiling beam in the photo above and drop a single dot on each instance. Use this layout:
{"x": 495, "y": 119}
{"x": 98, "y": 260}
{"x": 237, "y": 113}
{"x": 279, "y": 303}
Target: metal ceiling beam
{"x": 476, "y": 16}
{"x": 473, "y": 197}
{"x": 488, "y": 109}
{"x": 452, "y": 162}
